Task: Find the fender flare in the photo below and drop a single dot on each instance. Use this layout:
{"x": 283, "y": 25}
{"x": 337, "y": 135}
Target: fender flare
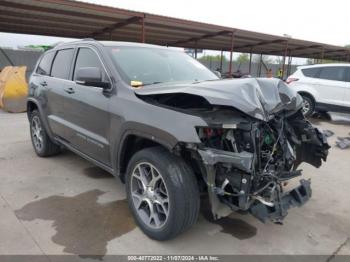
{"x": 165, "y": 139}
{"x": 301, "y": 93}
{"x": 308, "y": 94}
{"x": 42, "y": 115}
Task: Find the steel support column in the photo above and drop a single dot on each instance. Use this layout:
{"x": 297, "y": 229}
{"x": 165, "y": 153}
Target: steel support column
{"x": 231, "y": 53}
{"x": 143, "y": 33}
{"x": 284, "y": 59}
{"x": 289, "y": 67}
{"x": 322, "y": 55}
{"x": 259, "y": 66}
{"x": 250, "y": 61}
{"x": 195, "y": 49}
{"x": 221, "y": 58}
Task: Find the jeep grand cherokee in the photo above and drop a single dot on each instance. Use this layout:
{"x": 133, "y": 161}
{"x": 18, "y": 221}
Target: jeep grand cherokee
{"x": 170, "y": 129}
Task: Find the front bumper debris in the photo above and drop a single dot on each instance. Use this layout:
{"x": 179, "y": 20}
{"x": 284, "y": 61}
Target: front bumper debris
{"x": 294, "y": 198}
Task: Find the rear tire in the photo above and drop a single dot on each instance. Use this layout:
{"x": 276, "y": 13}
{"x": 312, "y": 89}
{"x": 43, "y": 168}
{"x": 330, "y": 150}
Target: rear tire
{"x": 154, "y": 176}
{"x": 42, "y": 143}
{"x": 308, "y": 105}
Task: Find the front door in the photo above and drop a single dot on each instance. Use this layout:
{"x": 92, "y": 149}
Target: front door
{"x": 55, "y": 86}
{"x": 86, "y": 108}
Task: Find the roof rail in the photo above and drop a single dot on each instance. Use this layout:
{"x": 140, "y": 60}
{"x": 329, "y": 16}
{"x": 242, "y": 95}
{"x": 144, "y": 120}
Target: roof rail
{"x": 72, "y": 42}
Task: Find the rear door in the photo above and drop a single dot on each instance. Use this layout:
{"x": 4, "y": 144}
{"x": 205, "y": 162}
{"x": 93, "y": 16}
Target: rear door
{"x": 87, "y": 110}
{"x": 39, "y": 86}
{"x": 331, "y": 85}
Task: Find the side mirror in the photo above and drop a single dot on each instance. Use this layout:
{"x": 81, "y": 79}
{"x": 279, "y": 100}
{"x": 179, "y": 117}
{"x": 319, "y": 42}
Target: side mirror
{"x": 90, "y": 76}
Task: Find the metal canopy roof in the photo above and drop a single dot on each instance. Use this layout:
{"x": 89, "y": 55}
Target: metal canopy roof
{"x": 67, "y": 18}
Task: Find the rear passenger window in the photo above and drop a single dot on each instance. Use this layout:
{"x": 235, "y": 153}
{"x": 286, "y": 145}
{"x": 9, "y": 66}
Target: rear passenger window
{"x": 61, "y": 64}
{"x": 88, "y": 58}
{"x": 311, "y": 72}
{"x": 45, "y": 64}
{"x": 336, "y": 73}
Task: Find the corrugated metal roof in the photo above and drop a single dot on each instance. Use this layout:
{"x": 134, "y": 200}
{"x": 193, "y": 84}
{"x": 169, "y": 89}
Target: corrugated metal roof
{"x": 68, "y": 18}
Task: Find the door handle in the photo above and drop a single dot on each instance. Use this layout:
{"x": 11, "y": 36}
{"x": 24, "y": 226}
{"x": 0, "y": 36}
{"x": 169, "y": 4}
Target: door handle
{"x": 43, "y": 83}
{"x": 69, "y": 90}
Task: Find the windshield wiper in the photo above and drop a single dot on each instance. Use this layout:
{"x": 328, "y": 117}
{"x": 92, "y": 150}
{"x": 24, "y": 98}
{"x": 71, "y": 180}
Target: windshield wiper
{"x": 154, "y": 83}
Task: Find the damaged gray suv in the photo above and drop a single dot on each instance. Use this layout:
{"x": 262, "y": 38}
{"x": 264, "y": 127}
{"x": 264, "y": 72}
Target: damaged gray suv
{"x": 171, "y": 130}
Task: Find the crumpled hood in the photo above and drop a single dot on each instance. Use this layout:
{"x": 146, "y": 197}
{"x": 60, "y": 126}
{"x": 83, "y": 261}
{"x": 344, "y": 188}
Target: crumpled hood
{"x": 260, "y": 98}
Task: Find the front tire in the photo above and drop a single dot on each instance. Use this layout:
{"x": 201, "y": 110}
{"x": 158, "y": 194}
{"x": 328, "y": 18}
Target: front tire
{"x": 162, "y": 193}
{"x": 42, "y": 143}
{"x": 308, "y": 106}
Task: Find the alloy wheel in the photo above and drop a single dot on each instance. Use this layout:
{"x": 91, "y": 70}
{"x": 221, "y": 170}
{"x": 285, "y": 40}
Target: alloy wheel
{"x": 306, "y": 106}
{"x": 149, "y": 195}
{"x": 37, "y": 133}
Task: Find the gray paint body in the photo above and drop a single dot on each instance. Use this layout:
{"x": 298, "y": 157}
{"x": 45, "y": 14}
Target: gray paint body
{"x": 95, "y": 122}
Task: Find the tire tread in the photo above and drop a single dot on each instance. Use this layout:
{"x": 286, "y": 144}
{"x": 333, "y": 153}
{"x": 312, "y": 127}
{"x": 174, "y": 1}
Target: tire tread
{"x": 186, "y": 190}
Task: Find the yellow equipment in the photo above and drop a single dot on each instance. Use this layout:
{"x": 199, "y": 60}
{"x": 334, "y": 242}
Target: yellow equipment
{"x": 13, "y": 89}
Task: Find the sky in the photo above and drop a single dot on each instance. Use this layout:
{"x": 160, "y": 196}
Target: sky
{"x": 319, "y": 21}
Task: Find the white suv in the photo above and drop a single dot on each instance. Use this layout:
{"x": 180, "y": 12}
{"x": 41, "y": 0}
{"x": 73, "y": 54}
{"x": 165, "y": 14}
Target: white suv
{"x": 324, "y": 87}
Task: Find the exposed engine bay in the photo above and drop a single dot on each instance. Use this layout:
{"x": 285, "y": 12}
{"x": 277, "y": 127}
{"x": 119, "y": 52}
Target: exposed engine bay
{"x": 250, "y": 148}
{"x": 268, "y": 154}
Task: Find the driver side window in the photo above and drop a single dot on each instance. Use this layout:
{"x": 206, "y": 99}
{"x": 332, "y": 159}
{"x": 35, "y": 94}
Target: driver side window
{"x": 88, "y": 58}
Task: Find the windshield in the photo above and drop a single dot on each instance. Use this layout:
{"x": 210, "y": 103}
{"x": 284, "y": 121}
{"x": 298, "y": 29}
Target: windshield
{"x": 148, "y": 66}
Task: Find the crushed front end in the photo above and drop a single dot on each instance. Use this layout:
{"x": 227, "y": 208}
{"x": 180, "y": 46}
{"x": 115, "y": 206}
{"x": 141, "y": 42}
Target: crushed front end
{"x": 251, "y": 139}
{"x": 246, "y": 165}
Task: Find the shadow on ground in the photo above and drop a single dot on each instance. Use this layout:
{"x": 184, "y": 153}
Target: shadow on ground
{"x": 96, "y": 172}
{"x": 83, "y": 226}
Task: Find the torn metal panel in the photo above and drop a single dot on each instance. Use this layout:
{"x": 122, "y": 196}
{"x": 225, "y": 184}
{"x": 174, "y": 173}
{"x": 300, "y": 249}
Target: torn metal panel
{"x": 243, "y": 160}
{"x": 217, "y": 207}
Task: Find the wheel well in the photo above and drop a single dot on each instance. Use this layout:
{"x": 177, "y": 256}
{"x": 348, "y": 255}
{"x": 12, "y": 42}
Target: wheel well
{"x": 31, "y": 106}
{"x": 308, "y": 95}
{"x": 131, "y": 145}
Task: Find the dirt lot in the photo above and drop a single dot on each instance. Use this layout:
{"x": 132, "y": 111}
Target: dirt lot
{"x": 65, "y": 205}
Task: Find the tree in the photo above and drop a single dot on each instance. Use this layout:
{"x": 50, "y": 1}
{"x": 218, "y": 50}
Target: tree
{"x": 242, "y": 58}
{"x": 265, "y": 58}
{"x": 212, "y": 58}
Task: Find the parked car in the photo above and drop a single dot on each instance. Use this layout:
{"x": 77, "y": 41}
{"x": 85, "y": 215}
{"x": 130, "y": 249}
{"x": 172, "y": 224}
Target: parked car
{"x": 323, "y": 87}
{"x": 170, "y": 129}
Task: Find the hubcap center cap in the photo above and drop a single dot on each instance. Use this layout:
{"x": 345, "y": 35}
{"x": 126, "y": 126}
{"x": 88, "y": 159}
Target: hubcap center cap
{"x": 150, "y": 193}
